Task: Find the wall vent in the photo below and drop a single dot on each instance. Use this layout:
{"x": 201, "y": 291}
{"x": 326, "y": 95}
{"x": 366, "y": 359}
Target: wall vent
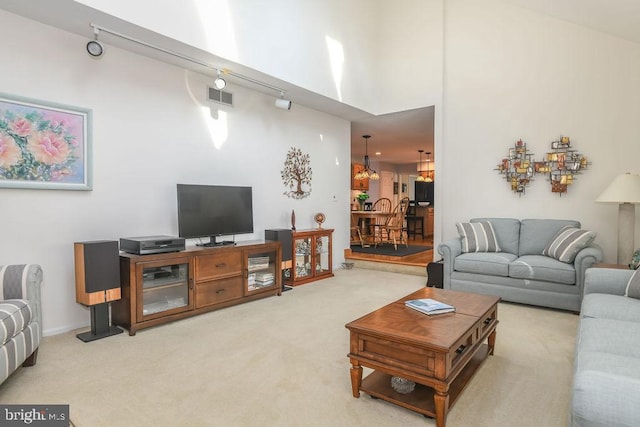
{"x": 220, "y": 96}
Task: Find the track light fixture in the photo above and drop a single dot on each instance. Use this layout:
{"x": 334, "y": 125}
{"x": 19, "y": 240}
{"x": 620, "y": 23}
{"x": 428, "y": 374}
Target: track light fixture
{"x": 219, "y": 83}
{"x": 94, "y": 47}
{"x": 284, "y": 104}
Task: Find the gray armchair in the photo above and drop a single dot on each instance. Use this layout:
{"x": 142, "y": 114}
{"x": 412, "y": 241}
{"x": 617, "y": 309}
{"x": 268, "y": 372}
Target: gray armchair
{"x": 20, "y": 316}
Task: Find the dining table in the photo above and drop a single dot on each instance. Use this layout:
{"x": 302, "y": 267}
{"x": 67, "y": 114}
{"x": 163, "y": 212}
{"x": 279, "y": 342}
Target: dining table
{"x": 364, "y": 218}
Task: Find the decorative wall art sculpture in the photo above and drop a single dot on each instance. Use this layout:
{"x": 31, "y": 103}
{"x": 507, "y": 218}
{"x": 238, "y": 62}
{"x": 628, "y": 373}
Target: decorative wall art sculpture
{"x": 296, "y": 173}
{"x": 517, "y": 167}
{"x": 562, "y": 163}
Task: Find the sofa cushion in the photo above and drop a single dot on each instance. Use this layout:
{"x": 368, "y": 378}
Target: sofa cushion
{"x": 605, "y": 390}
{"x": 540, "y": 267}
{"x": 507, "y": 231}
{"x": 489, "y": 263}
{"x": 607, "y": 306}
{"x": 15, "y": 315}
{"x": 633, "y": 285}
{"x": 478, "y": 237}
{"x": 567, "y": 242}
{"x": 536, "y": 233}
{"x": 619, "y": 337}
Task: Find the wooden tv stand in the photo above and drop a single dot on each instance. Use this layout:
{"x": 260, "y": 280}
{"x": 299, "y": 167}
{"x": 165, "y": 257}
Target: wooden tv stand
{"x": 161, "y": 288}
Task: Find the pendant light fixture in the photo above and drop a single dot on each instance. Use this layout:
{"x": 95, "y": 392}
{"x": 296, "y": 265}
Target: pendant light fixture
{"x": 428, "y": 178}
{"x": 367, "y": 172}
{"x": 420, "y": 178}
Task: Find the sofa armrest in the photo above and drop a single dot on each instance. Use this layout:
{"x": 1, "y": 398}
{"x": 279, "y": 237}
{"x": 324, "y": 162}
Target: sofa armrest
{"x": 588, "y": 256}
{"x": 449, "y": 250}
{"x": 606, "y": 281}
{"x": 23, "y": 282}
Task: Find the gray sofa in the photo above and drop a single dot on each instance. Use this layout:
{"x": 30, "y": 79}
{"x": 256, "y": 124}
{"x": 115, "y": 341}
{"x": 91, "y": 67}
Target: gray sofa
{"x": 606, "y": 382}
{"x": 519, "y": 272}
{"x": 20, "y": 317}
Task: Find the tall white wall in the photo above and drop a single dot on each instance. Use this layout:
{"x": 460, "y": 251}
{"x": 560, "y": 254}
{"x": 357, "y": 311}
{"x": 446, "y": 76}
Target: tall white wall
{"x": 149, "y": 133}
{"x": 389, "y": 57}
{"x": 511, "y": 73}
{"x": 408, "y": 55}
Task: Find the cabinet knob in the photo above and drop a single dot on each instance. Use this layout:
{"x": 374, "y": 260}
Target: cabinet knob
{"x": 221, "y": 265}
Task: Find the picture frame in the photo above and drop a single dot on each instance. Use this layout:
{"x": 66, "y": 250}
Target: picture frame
{"x": 44, "y": 145}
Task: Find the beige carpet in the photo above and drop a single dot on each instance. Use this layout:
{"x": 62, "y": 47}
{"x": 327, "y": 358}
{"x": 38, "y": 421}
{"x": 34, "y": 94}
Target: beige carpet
{"x": 282, "y": 361}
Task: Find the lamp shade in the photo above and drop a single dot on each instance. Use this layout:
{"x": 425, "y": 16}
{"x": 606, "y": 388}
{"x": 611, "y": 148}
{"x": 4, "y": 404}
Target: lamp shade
{"x": 624, "y": 189}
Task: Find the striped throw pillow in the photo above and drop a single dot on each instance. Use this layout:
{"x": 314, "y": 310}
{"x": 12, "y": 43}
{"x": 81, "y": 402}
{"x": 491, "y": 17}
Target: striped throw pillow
{"x": 478, "y": 237}
{"x": 567, "y": 242}
{"x": 633, "y": 286}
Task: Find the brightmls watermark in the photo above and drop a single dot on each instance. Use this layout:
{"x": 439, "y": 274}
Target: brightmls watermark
{"x": 34, "y": 415}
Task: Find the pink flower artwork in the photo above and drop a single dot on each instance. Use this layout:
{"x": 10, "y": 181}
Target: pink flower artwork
{"x": 9, "y": 152}
{"x": 21, "y": 127}
{"x": 49, "y": 148}
{"x": 43, "y": 145}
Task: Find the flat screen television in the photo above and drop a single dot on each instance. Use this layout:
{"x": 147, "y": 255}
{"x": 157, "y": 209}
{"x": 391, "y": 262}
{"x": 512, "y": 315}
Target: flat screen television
{"x": 213, "y": 211}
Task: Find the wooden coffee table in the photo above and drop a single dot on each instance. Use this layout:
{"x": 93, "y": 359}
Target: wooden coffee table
{"x": 439, "y": 353}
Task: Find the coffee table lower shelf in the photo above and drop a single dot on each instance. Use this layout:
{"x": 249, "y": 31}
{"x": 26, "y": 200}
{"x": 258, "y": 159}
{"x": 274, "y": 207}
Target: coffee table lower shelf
{"x": 378, "y": 384}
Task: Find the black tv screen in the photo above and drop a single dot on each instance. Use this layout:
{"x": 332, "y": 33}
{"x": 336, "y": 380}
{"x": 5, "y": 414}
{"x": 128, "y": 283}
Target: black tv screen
{"x": 214, "y": 210}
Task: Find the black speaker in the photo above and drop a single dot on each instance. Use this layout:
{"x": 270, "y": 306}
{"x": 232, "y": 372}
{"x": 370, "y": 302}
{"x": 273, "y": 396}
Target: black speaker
{"x": 284, "y": 236}
{"x": 435, "y": 274}
{"x": 97, "y": 266}
{"x": 100, "y": 264}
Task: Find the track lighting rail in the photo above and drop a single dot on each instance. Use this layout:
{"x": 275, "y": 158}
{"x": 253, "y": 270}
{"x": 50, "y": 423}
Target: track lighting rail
{"x": 97, "y": 29}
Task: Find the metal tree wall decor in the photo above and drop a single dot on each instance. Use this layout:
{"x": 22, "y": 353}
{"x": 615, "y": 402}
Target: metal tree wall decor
{"x": 296, "y": 173}
{"x": 517, "y": 167}
{"x": 562, "y": 163}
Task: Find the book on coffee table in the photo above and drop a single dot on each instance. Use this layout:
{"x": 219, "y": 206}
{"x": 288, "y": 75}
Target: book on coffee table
{"x": 429, "y": 306}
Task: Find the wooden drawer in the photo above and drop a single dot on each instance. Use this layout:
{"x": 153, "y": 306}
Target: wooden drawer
{"x": 218, "y": 265}
{"x": 217, "y": 291}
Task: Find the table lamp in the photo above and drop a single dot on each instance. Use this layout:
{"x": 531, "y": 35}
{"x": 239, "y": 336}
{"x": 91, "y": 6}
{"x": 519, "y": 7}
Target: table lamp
{"x": 624, "y": 190}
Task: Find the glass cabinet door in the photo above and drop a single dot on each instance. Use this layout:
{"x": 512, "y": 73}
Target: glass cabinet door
{"x": 322, "y": 258}
{"x": 302, "y": 257}
{"x": 261, "y": 271}
{"x": 165, "y": 288}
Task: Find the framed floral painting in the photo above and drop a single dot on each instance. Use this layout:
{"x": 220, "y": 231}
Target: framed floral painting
{"x": 44, "y": 145}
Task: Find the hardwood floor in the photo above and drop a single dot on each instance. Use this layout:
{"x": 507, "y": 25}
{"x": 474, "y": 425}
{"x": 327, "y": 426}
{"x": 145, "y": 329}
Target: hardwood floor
{"x": 418, "y": 260}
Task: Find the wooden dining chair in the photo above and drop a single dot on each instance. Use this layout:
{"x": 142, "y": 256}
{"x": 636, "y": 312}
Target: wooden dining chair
{"x": 395, "y": 230}
{"x": 356, "y": 233}
{"x": 383, "y": 204}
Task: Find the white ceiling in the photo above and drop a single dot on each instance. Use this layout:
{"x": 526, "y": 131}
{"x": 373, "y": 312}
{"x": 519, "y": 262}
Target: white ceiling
{"x": 398, "y": 135}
